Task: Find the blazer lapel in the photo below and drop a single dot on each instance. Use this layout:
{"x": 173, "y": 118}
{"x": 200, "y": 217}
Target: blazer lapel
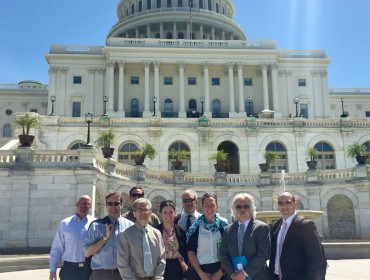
{"x": 234, "y": 236}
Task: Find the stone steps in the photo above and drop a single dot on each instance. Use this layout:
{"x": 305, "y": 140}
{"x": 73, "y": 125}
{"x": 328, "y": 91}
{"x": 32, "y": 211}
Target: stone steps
{"x": 19, "y": 263}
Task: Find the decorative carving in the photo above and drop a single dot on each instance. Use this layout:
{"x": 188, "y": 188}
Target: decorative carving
{"x": 315, "y": 73}
{"x": 181, "y": 64}
{"x": 63, "y": 70}
{"x": 92, "y": 70}
{"x": 324, "y": 73}
{"x": 53, "y": 70}
{"x": 121, "y": 63}
{"x": 110, "y": 63}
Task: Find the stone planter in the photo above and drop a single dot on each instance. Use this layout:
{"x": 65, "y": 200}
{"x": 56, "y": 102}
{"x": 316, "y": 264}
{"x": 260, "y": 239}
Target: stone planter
{"x": 107, "y": 152}
{"x": 361, "y": 159}
{"x": 176, "y": 165}
{"x": 220, "y": 167}
{"x": 264, "y": 167}
{"x": 311, "y": 164}
{"x": 26, "y": 140}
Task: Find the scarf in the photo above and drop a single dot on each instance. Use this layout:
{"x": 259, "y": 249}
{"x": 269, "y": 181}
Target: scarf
{"x": 215, "y": 226}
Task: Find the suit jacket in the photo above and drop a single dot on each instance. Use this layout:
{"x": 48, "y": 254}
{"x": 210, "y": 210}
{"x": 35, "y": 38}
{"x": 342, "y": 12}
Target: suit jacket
{"x": 301, "y": 255}
{"x": 181, "y": 238}
{"x": 256, "y": 248}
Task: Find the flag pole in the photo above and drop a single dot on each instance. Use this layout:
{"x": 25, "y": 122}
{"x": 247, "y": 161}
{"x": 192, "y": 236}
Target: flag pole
{"x": 191, "y": 19}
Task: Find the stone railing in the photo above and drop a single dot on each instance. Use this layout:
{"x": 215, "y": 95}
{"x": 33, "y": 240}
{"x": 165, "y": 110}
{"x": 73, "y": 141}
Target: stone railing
{"x": 47, "y": 156}
{"x": 335, "y": 174}
{"x": 7, "y": 156}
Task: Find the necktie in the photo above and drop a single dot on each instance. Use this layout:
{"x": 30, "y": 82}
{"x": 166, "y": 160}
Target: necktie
{"x": 240, "y": 238}
{"x": 281, "y": 242}
{"x": 148, "y": 265}
{"x": 188, "y": 223}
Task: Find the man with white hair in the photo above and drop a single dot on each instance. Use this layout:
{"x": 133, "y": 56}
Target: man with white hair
{"x": 245, "y": 246}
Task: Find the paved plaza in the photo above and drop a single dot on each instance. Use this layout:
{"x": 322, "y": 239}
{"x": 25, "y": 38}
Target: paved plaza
{"x": 338, "y": 270}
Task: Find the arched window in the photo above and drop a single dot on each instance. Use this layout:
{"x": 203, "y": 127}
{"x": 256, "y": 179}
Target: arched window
{"x": 169, "y": 35}
{"x": 77, "y": 146}
{"x": 282, "y": 163}
{"x": 132, "y": 9}
{"x": 7, "y": 130}
{"x": 180, "y": 35}
{"x": 140, "y": 6}
{"x": 367, "y": 145}
{"x": 159, "y": 3}
{"x": 192, "y": 104}
{"x": 180, "y": 146}
{"x": 201, "y": 5}
{"x": 216, "y": 108}
{"x": 168, "y": 108}
{"x": 217, "y": 8}
{"x": 209, "y": 5}
{"x": 179, "y": 3}
{"x": 134, "y": 107}
{"x": 126, "y": 153}
{"x": 325, "y": 156}
{"x": 169, "y": 3}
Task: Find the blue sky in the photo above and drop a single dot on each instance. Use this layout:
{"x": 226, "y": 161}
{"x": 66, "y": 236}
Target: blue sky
{"x": 341, "y": 27}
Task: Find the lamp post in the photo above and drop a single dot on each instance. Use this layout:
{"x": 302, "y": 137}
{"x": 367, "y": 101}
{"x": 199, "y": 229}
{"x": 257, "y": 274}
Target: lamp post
{"x": 250, "y": 101}
{"x": 343, "y": 115}
{"x": 52, "y": 99}
{"x": 202, "y": 101}
{"x": 88, "y": 120}
{"x": 296, "y": 100}
{"x": 105, "y": 100}
{"x": 154, "y": 101}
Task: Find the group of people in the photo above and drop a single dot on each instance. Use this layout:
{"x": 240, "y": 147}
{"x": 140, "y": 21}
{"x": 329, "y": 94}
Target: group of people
{"x": 188, "y": 245}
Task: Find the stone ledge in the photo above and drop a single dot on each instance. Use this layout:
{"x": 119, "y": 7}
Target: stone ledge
{"x": 347, "y": 250}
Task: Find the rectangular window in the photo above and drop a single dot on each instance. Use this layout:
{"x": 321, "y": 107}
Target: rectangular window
{"x": 192, "y": 81}
{"x": 33, "y": 110}
{"x": 367, "y": 114}
{"x": 148, "y": 4}
{"x": 304, "y": 110}
{"x": 167, "y": 80}
{"x": 77, "y": 79}
{"x": 135, "y": 80}
{"x": 248, "y": 82}
{"x": 301, "y": 82}
{"x": 215, "y": 81}
{"x": 169, "y": 3}
{"x": 76, "y": 109}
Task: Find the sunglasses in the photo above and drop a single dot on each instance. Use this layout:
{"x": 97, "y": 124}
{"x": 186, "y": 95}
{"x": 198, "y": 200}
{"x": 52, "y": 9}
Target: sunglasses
{"x": 245, "y": 206}
{"x": 116, "y": 203}
{"x": 185, "y": 200}
{"x": 286, "y": 202}
{"x": 136, "y": 195}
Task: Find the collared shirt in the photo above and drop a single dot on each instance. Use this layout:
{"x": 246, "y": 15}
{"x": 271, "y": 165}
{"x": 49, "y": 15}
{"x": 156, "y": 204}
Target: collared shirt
{"x": 68, "y": 241}
{"x": 246, "y": 223}
{"x": 106, "y": 257}
{"x": 184, "y": 217}
{"x": 130, "y": 258}
{"x": 153, "y": 219}
{"x": 277, "y": 257}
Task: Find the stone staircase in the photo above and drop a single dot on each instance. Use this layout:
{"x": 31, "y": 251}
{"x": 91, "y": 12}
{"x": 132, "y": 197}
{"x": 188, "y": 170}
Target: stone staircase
{"x": 24, "y": 262}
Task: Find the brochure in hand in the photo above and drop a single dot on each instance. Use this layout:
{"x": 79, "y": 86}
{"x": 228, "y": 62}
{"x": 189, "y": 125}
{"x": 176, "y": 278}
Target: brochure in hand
{"x": 240, "y": 263}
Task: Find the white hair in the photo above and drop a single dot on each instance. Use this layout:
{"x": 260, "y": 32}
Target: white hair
{"x": 243, "y": 196}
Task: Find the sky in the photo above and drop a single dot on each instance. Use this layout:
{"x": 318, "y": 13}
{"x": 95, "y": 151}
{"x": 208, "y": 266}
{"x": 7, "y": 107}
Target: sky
{"x": 340, "y": 27}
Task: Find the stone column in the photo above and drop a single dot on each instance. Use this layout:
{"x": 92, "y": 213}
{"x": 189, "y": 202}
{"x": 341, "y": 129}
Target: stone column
{"x": 182, "y": 112}
{"x": 62, "y": 91}
{"x": 156, "y": 87}
{"x": 201, "y": 31}
{"x": 207, "y": 110}
{"x": 161, "y": 31}
{"x": 52, "y": 90}
{"x": 265, "y": 86}
{"x": 315, "y": 90}
{"x": 230, "y": 67}
{"x": 121, "y": 88}
{"x": 213, "y": 36}
{"x": 325, "y": 97}
{"x": 241, "y": 89}
{"x": 110, "y": 85}
{"x": 146, "y": 112}
{"x": 174, "y": 30}
{"x": 275, "y": 91}
{"x": 92, "y": 95}
{"x": 148, "y": 31}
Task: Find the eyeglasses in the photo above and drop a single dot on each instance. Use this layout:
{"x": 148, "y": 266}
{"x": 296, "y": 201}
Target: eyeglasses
{"x": 245, "y": 206}
{"x": 137, "y": 195}
{"x": 142, "y": 210}
{"x": 286, "y": 202}
{"x": 185, "y": 200}
{"x": 116, "y": 203}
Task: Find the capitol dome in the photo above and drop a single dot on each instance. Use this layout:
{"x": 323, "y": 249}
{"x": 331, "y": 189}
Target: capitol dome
{"x": 173, "y": 19}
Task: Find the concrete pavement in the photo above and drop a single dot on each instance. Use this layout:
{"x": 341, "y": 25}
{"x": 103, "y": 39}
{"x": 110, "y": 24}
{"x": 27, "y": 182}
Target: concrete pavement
{"x": 338, "y": 270}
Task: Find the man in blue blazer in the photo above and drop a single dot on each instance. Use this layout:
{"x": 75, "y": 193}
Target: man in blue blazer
{"x": 248, "y": 238}
{"x": 295, "y": 239}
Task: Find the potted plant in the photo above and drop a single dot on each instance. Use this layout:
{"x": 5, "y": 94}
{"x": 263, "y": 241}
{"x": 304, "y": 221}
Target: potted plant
{"x": 146, "y": 150}
{"x": 220, "y": 157}
{"x": 357, "y": 151}
{"x": 104, "y": 141}
{"x": 311, "y": 154}
{"x": 270, "y": 157}
{"x": 26, "y": 122}
{"x": 178, "y": 155}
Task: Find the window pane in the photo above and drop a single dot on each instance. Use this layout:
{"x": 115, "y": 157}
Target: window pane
{"x": 76, "y": 109}
{"x": 77, "y": 79}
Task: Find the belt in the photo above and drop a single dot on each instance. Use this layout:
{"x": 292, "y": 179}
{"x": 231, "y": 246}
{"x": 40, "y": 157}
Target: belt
{"x": 107, "y": 270}
{"x": 145, "y": 278}
{"x": 78, "y": 264}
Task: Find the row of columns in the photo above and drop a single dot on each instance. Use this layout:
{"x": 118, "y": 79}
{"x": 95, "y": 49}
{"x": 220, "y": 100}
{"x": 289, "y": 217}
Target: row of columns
{"x": 181, "y": 71}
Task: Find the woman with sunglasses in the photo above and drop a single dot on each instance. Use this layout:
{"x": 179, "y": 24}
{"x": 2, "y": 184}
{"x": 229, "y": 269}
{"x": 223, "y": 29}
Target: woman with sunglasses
{"x": 204, "y": 240}
{"x": 174, "y": 239}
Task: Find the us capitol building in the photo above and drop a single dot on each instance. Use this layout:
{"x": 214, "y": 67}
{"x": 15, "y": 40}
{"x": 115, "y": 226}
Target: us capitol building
{"x": 188, "y": 80}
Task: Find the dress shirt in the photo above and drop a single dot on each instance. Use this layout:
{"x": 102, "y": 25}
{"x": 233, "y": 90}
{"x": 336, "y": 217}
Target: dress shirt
{"x": 184, "y": 216}
{"x": 106, "y": 257}
{"x": 153, "y": 219}
{"x": 277, "y": 257}
{"x": 68, "y": 241}
{"x": 130, "y": 257}
{"x": 246, "y": 223}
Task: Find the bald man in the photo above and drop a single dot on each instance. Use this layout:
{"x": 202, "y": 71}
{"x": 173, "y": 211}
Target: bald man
{"x": 68, "y": 242}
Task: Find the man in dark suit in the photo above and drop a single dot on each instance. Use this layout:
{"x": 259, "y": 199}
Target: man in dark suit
{"x": 295, "y": 239}
{"x": 246, "y": 237}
